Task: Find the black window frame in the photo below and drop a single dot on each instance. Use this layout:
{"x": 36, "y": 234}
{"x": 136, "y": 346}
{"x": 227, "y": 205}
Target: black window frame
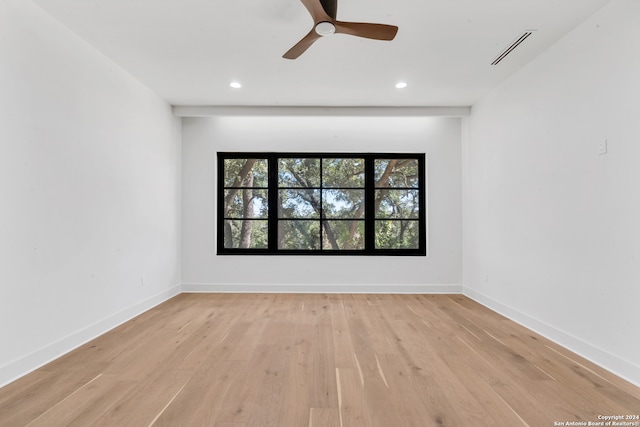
{"x": 369, "y": 189}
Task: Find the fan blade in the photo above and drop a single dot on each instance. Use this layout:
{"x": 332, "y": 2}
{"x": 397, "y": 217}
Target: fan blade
{"x": 317, "y": 11}
{"x": 369, "y": 31}
{"x": 331, "y": 7}
{"x": 302, "y": 45}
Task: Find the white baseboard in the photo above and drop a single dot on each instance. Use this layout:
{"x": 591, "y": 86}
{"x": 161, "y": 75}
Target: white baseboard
{"x": 320, "y": 289}
{"x": 22, "y": 366}
{"x": 620, "y": 367}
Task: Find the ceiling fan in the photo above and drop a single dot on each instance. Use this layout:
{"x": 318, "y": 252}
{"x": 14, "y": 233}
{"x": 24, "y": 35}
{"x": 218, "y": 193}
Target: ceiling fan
{"x": 325, "y": 23}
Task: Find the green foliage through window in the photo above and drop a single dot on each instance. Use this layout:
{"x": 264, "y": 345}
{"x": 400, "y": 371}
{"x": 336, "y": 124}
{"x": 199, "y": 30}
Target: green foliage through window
{"x": 304, "y": 203}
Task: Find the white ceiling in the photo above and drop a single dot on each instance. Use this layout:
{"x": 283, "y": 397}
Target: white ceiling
{"x": 188, "y": 51}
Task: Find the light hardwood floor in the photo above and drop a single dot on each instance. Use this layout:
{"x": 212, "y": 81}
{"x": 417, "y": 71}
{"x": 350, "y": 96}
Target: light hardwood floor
{"x": 317, "y": 360}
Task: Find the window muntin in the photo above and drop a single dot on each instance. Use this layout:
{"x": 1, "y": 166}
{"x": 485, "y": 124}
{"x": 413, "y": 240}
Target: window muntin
{"x": 288, "y": 203}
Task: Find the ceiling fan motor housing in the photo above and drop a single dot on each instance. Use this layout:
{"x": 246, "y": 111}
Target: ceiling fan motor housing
{"x": 325, "y": 28}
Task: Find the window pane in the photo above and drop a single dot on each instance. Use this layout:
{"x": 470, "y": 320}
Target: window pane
{"x": 396, "y": 172}
{"x": 299, "y": 204}
{"x": 338, "y": 173}
{"x": 340, "y": 235}
{"x": 304, "y": 235}
{"x": 299, "y": 172}
{"x": 397, "y": 235}
{"x": 245, "y": 234}
{"x": 343, "y": 203}
{"x": 245, "y": 173}
{"x": 246, "y": 203}
{"x": 397, "y": 203}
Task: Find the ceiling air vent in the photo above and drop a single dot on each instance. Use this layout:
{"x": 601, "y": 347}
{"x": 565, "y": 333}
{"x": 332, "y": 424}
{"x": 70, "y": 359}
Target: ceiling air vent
{"x": 513, "y": 45}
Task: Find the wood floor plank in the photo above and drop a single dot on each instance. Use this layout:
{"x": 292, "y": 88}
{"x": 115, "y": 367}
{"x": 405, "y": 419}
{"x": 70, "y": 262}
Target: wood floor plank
{"x": 85, "y": 405}
{"x": 146, "y": 401}
{"x": 440, "y": 409}
{"x": 269, "y": 390}
{"x": 477, "y": 378}
{"x": 200, "y": 401}
{"x": 351, "y": 399}
{"x": 28, "y": 386}
{"x": 343, "y": 347}
{"x": 324, "y": 417}
{"x": 22, "y": 405}
{"x": 411, "y": 411}
{"x": 297, "y": 398}
{"x": 324, "y": 392}
{"x": 245, "y": 360}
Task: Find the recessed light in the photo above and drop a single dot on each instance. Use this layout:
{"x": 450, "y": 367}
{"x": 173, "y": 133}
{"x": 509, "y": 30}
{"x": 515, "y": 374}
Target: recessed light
{"x": 235, "y": 85}
{"x": 401, "y": 85}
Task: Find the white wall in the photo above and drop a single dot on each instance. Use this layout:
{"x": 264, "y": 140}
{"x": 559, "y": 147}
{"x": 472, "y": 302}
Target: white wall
{"x": 552, "y": 228}
{"x": 440, "y": 138}
{"x": 89, "y": 192}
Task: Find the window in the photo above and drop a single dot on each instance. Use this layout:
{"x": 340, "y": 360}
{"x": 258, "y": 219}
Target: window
{"x": 329, "y": 203}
